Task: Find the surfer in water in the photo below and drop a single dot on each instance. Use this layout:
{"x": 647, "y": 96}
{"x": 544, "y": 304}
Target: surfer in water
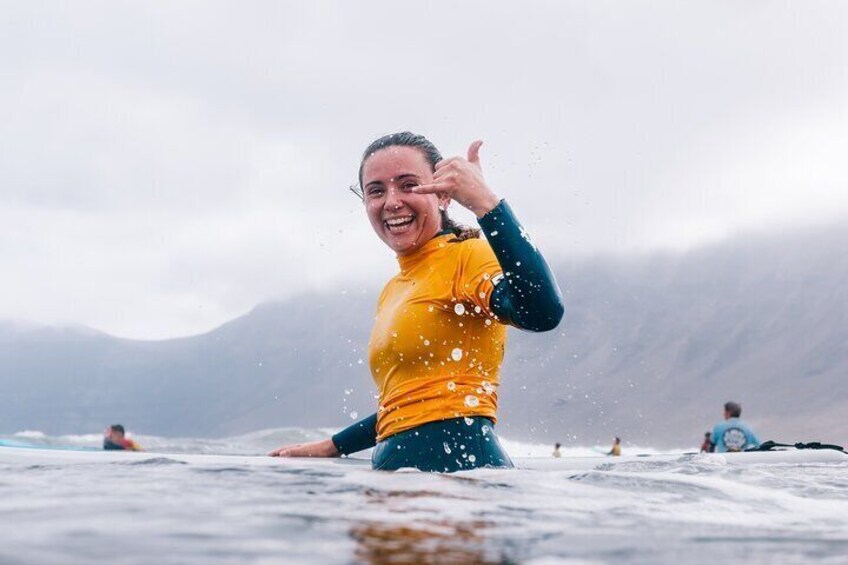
{"x": 615, "y": 451}
{"x": 707, "y": 445}
{"x": 733, "y": 434}
{"x": 114, "y": 438}
{"x": 438, "y": 338}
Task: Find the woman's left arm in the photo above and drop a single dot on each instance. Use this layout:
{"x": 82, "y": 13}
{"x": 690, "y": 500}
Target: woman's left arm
{"x": 528, "y": 296}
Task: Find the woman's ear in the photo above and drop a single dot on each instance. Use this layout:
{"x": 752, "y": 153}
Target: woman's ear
{"x": 444, "y": 201}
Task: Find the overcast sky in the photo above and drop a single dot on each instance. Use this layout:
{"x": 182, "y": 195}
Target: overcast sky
{"x": 165, "y": 166}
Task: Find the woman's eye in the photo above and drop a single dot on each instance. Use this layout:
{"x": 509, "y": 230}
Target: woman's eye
{"x": 409, "y": 185}
{"x": 373, "y": 191}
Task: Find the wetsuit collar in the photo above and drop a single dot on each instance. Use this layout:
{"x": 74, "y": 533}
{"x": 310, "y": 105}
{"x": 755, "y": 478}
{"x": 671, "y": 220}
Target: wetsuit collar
{"x": 409, "y": 262}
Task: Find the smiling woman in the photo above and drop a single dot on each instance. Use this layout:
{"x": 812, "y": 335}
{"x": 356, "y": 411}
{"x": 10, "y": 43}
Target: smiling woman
{"x": 438, "y": 339}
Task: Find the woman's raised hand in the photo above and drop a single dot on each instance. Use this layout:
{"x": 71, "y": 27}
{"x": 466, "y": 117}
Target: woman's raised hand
{"x": 462, "y": 180}
{"x": 321, "y": 448}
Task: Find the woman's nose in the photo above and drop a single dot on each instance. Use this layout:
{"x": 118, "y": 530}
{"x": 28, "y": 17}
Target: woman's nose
{"x": 393, "y": 198}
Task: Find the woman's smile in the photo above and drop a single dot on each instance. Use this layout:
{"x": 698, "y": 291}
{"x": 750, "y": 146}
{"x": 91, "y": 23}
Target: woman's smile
{"x": 403, "y": 219}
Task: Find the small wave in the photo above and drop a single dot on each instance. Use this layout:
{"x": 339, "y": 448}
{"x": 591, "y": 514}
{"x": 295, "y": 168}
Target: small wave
{"x": 526, "y": 449}
{"x": 152, "y": 462}
{"x": 30, "y": 434}
{"x": 82, "y": 439}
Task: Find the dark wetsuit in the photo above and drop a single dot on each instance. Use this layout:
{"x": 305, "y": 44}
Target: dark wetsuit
{"x": 527, "y": 298}
{"x": 127, "y": 445}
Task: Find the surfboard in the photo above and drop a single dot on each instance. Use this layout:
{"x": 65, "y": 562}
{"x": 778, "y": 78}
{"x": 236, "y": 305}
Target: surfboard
{"x": 46, "y": 455}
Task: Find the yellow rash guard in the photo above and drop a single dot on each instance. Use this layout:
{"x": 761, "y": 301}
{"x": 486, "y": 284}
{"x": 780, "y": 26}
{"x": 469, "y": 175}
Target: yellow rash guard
{"x": 436, "y": 348}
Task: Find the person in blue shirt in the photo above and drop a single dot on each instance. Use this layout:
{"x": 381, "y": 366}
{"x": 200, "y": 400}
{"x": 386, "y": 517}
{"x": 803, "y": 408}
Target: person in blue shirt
{"x": 733, "y": 434}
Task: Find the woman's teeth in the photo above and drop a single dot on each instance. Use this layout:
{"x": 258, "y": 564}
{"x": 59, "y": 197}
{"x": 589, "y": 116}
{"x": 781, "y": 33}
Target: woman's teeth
{"x": 398, "y": 224}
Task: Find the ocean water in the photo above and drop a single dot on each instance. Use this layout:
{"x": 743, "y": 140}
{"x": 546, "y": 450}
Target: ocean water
{"x": 166, "y": 512}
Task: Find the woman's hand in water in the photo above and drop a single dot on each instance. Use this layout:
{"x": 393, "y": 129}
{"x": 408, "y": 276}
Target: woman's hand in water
{"x": 322, "y": 448}
{"x": 462, "y": 180}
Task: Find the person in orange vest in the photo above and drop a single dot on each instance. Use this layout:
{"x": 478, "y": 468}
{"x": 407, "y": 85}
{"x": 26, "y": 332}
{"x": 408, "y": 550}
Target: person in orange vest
{"x": 114, "y": 439}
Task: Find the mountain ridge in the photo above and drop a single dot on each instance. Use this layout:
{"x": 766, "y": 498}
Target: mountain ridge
{"x": 649, "y": 349}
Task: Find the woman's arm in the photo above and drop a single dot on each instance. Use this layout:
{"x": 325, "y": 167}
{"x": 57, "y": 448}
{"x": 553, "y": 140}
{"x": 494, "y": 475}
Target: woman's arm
{"x": 321, "y": 448}
{"x": 356, "y": 437}
{"x": 530, "y": 299}
{"x": 528, "y": 296}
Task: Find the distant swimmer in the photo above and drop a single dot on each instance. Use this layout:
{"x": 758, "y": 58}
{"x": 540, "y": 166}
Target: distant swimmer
{"x": 616, "y": 448}
{"x": 707, "y": 446}
{"x": 438, "y": 337}
{"x": 733, "y": 434}
{"x": 114, "y": 439}
{"x": 556, "y": 452}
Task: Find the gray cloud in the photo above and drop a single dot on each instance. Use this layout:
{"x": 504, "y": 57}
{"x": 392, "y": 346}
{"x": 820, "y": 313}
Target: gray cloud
{"x": 165, "y": 167}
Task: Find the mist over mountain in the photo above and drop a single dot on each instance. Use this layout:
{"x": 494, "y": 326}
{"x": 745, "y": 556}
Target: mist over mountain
{"x": 650, "y": 348}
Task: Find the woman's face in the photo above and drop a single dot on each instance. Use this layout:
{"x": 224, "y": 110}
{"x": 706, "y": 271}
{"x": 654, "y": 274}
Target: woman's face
{"x": 402, "y": 219}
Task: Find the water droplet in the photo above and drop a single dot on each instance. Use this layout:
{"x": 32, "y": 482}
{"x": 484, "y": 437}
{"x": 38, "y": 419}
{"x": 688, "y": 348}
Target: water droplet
{"x": 472, "y": 401}
{"x": 359, "y": 362}
{"x": 486, "y": 276}
{"x": 354, "y": 415}
{"x": 348, "y": 391}
{"x": 488, "y": 387}
{"x": 456, "y": 354}
{"x": 488, "y": 322}
{"x": 494, "y": 233}
{"x": 477, "y": 309}
{"x": 469, "y": 421}
{"x": 426, "y": 342}
{"x": 451, "y": 385}
{"x": 430, "y": 308}
{"x": 459, "y": 309}
{"x": 472, "y": 458}
{"x": 447, "y": 448}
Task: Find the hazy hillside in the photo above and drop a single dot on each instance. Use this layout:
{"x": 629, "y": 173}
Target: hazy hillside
{"x": 650, "y": 348}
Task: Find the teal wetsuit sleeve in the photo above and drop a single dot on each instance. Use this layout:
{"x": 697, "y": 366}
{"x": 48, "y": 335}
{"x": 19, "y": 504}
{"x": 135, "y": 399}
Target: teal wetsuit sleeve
{"x": 358, "y": 436}
{"x": 528, "y": 296}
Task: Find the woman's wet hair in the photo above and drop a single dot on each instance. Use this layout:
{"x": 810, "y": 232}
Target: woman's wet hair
{"x": 433, "y": 156}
